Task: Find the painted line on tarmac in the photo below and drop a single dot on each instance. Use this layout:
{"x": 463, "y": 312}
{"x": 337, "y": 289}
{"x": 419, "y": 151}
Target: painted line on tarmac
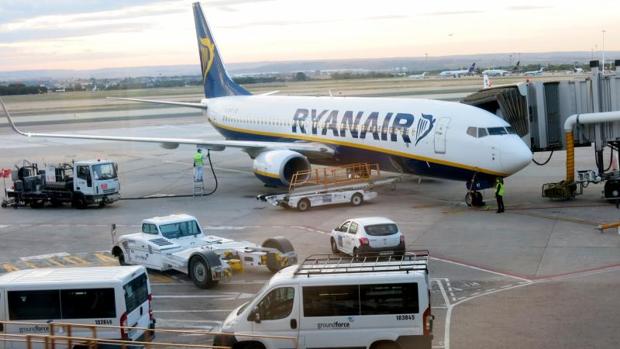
{"x": 45, "y": 256}
{"x": 2, "y": 226}
{"x": 480, "y": 268}
{"x": 220, "y": 296}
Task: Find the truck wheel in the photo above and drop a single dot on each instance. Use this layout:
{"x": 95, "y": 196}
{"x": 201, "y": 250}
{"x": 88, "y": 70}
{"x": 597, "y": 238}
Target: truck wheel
{"x": 37, "y": 203}
{"x": 200, "y": 270}
{"x": 334, "y": 245}
{"x": 118, "y": 253}
{"x": 303, "y": 205}
{"x": 386, "y": 345}
{"x": 79, "y": 202}
{"x": 357, "y": 199}
{"x": 274, "y": 264}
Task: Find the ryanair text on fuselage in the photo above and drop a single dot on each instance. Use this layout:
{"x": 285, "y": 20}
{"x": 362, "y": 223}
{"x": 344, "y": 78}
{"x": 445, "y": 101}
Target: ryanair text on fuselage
{"x": 382, "y": 126}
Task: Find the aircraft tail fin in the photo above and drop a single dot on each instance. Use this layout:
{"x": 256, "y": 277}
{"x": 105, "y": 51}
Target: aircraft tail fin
{"x": 472, "y": 68}
{"x": 217, "y": 82}
{"x": 516, "y": 67}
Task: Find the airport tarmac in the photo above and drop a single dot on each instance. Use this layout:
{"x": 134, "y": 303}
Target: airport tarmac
{"x": 538, "y": 276}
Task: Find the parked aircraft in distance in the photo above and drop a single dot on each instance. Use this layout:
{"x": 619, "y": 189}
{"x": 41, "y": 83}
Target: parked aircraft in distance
{"x": 501, "y": 72}
{"x": 538, "y": 72}
{"x": 459, "y": 73}
{"x": 417, "y": 76}
{"x": 286, "y": 134}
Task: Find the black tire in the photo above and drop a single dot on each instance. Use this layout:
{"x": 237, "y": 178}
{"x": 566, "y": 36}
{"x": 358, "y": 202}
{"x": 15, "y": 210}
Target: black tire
{"x": 469, "y": 199}
{"x": 200, "y": 270}
{"x": 303, "y": 205}
{"x": 37, "y": 204}
{"x": 355, "y": 252}
{"x": 357, "y": 199}
{"x": 4, "y": 204}
{"x": 118, "y": 253}
{"x": 55, "y": 203}
{"x": 79, "y": 202}
{"x": 386, "y": 345}
{"x": 251, "y": 345}
{"x": 334, "y": 246}
{"x": 284, "y": 246}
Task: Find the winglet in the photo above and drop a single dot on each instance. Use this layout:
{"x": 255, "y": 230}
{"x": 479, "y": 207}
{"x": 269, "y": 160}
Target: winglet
{"x": 11, "y": 123}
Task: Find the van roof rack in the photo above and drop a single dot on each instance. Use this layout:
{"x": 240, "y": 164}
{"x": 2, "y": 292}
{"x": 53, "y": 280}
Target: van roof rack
{"x": 322, "y": 264}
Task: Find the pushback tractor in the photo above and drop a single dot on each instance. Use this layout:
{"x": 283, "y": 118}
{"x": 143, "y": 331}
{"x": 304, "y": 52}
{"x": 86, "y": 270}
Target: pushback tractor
{"x": 177, "y": 242}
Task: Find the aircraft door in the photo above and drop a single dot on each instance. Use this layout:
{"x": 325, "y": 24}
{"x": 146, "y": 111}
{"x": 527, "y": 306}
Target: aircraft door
{"x": 440, "y": 135}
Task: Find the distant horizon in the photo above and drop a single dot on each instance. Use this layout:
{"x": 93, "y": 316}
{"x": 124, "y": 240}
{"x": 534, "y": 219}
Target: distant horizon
{"x": 469, "y": 58}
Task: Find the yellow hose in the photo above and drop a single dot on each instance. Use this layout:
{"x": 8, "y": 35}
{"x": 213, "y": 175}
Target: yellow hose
{"x": 570, "y": 157}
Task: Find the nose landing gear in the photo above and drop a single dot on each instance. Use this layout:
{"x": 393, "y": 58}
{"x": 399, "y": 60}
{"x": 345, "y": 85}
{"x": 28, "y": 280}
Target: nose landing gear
{"x": 473, "y": 198}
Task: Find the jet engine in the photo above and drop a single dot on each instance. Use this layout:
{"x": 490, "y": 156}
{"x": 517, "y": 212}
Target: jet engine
{"x": 276, "y": 167}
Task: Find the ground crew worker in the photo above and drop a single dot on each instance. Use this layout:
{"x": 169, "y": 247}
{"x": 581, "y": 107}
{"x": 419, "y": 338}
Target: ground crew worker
{"x": 499, "y": 194}
{"x": 198, "y": 166}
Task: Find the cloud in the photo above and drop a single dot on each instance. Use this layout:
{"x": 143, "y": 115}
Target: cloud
{"x": 528, "y": 7}
{"x": 279, "y": 23}
{"x": 66, "y": 33}
{"x": 374, "y": 18}
{"x": 453, "y": 13}
{"x": 11, "y": 10}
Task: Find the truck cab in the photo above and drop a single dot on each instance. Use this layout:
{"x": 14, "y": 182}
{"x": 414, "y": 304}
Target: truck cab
{"x": 96, "y": 181}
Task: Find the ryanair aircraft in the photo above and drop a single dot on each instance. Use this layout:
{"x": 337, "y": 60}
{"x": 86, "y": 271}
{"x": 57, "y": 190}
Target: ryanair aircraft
{"x": 285, "y": 134}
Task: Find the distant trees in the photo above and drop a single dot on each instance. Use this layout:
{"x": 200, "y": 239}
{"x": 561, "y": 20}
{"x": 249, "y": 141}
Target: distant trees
{"x": 21, "y": 89}
{"x": 300, "y": 76}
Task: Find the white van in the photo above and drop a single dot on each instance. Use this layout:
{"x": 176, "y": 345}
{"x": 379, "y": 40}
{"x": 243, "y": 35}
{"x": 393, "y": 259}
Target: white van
{"x": 116, "y": 296}
{"x": 338, "y": 302}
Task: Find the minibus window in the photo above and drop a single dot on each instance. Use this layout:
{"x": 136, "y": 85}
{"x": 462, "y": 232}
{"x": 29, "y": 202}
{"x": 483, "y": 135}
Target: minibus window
{"x": 386, "y": 299}
{"x": 381, "y": 229}
{"x": 136, "y": 293}
{"x": 331, "y": 300}
{"x": 34, "y": 305}
{"x": 278, "y": 304}
{"x": 88, "y": 303}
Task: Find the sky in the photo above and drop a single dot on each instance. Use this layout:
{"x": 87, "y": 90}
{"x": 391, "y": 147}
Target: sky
{"x": 92, "y": 34}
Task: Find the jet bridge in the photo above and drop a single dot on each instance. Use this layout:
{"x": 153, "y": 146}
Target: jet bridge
{"x": 539, "y": 110}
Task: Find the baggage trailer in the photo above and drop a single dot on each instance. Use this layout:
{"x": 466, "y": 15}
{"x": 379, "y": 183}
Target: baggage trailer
{"x": 330, "y": 186}
{"x": 81, "y": 183}
{"x": 177, "y": 242}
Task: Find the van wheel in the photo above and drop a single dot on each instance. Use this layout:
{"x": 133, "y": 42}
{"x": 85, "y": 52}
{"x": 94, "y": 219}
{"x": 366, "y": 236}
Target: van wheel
{"x": 357, "y": 199}
{"x": 118, "y": 253}
{"x": 251, "y": 345}
{"x": 385, "y": 345}
{"x": 303, "y": 205}
{"x": 334, "y": 246}
{"x": 37, "y": 203}
{"x": 274, "y": 263}
{"x": 200, "y": 270}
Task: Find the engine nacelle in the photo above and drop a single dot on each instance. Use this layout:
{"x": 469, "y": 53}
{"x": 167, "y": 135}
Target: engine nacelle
{"x": 276, "y": 167}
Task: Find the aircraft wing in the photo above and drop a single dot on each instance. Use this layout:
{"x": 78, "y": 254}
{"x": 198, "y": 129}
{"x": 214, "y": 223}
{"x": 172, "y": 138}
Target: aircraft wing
{"x": 251, "y": 147}
{"x": 180, "y": 104}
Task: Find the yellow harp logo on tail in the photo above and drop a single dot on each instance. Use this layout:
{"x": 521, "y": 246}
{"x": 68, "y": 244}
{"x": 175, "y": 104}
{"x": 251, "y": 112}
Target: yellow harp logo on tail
{"x": 207, "y": 53}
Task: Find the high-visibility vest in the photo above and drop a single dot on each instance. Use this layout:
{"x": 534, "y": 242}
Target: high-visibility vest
{"x": 198, "y": 161}
{"x": 499, "y": 189}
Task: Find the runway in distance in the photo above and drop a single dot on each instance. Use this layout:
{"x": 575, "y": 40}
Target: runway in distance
{"x": 459, "y": 73}
{"x": 501, "y": 72}
{"x": 538, "y": 72}
{"x": 285, "y": 134}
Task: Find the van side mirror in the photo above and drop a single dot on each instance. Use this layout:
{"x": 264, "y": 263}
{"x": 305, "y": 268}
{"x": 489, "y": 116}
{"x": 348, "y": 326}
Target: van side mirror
{"x": 254, "y": 316}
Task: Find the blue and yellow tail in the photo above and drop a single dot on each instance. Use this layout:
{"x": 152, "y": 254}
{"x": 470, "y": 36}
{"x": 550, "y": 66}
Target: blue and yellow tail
{"x": 217, "y": 82}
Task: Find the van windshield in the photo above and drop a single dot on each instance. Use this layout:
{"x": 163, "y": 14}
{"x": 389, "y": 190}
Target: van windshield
{"x": 381, "y": 229}
{"x": 180, "y": 229}
{"x": 136, "y": 293}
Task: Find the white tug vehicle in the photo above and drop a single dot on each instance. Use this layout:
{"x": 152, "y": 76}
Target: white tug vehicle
{"x": 177, "y": 242}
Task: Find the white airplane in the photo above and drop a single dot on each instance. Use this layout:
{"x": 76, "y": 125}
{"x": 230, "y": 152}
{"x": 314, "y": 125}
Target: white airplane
{"x": 459, "y": 73}
{"x": 501, "y": 72}
{"x": 538, "y": 72}
{"x": 286, "y": 134}
{"x": 417, "y": 76}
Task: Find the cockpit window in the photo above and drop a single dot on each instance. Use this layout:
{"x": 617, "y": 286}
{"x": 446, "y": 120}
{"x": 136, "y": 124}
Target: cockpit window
{"x": 472, "y": 131}
{"x": 496, "y": 131}
{"x": 482, "y": 132}
{"x": 511, "y": 130}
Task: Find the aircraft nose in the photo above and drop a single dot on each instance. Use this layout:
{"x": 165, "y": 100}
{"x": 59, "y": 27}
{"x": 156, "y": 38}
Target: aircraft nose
{"x": 515, "y": 156}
